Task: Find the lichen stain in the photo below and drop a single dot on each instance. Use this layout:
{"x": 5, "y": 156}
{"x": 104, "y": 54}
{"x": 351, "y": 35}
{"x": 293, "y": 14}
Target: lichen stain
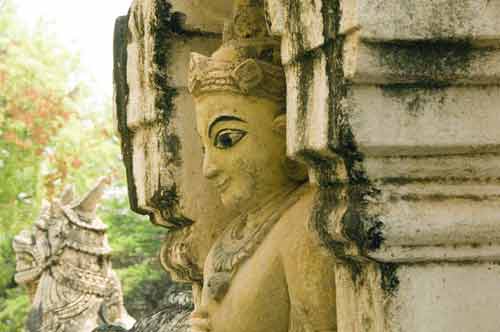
{"x": 375, "y": 235}
{"x": 162, "y": 29}
{"x": 415, "y": 97}
{"x": 305, "y": 81}
{"x": 389, "y": 278}
{"x": 427, "y": 61}
{"x": 172, "y": 147}
{"x": 358, "y": 225}
{"x": 166, "y": 200}
{"x": 430, "y": 66}
{"x": 122, "y": 37}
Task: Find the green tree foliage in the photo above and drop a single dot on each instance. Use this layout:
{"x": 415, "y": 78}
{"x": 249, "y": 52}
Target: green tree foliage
{"x": 34, "y": 105}
{"x": 51, "y": 134}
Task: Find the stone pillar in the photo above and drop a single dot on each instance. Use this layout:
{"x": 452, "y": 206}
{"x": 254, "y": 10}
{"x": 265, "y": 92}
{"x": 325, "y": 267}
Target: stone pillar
{"x": 155, "y": 120}
{"x": 399, "y": 102}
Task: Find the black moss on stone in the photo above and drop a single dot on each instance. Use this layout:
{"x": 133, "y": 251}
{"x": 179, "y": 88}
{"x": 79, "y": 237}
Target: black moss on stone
{"x": 166, "y": 199}
{"x": 415, "y": 96}
{"x": 375, "y": 235}
{"x": 434, "y": 61}
{"x": 389, "y": 278}
{"x": 360, "y": 226}
{"x": 172, "y": 145}
{"x": 163, "y": 29}
{"x": 120, "y": 40}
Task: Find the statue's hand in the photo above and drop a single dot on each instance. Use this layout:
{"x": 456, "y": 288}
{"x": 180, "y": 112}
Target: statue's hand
{"x": 199, "y": 321}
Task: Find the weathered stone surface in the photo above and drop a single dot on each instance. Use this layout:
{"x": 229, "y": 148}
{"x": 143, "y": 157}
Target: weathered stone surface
{"x": 179, "y": 56}
{"x": 203, "y": 15}
{"x": 156, "y": 107}
{"x": 159, "y": 141}
{"x": 64, "y": 261}
{"x": 445, "y": 63}
{"x": 416, "y": 219}
{"x": 308, "y": 105}
{"x": 308, "y": 25}
{"x": 476, "y": 21}
{"x": 447, "y": 297}
{"x": 412, "y": 120}
{"x": 360, "y": 297}
{"x": 276, "y": 19}
{"x": 411, "y": 89}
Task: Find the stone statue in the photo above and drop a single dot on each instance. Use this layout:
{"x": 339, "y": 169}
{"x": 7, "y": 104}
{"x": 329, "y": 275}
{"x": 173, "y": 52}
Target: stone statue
{"x": 64, "y": 262}
{"x": 267, "y": 271}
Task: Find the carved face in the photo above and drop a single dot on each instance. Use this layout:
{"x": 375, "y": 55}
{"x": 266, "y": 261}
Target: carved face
{"x": 244, "y": 150}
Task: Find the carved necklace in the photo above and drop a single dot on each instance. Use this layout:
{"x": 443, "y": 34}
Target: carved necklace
{"x": 243, "y": 236}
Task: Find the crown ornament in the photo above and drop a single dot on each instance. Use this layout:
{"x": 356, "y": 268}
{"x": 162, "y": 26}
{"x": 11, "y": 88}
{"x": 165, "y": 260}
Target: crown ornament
{"x": 247, "y": 63}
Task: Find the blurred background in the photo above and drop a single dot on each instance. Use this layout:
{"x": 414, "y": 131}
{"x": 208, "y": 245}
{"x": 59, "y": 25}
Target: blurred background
{"x": 56, "y": 129}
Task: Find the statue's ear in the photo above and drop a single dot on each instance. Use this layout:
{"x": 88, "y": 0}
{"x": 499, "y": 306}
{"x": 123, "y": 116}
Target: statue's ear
{"x": 279, "y": 124}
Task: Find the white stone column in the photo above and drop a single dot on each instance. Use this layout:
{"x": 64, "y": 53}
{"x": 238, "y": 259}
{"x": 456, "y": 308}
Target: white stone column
{"x": 153, "y": 110}
{"x": 155, "y": 118}
{"x": 406, "y": 95}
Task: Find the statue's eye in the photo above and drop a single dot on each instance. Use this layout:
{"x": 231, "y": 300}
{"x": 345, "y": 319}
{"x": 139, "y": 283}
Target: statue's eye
{"x": 226, "y": 138}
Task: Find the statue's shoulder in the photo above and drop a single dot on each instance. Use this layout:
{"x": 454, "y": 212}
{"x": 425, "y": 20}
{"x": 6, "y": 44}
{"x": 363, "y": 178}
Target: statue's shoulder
{"x": 297, "y": 215}
{"x": 296, "y": 228}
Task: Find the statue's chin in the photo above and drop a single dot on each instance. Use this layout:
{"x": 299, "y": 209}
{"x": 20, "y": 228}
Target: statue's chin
{"x": 235, "y": 200}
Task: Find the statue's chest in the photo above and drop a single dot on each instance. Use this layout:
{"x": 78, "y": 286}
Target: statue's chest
{"x": 257, "y": 296}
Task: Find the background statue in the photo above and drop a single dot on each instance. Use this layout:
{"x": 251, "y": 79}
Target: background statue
{"x": 64, "y": 262}
{"x": 267, "y": 271}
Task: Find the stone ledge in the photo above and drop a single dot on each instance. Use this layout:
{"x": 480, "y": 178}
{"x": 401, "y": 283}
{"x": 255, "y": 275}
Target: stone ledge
{"x": 439, "y": 62}
{"x": 475, "y": 169}
{"x": 424, "y": 121}
{"x": 448, "y": 253}
{"x": 447, "y": 221}
{"x": 477, "y": 21}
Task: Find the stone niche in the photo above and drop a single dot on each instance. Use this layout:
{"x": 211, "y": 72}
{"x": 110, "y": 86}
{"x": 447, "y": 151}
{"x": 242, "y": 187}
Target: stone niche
{"x": 397, "y": 101}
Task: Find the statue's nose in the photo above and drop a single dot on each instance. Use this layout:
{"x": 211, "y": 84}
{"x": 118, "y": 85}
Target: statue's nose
{"x": 210, "y": 169}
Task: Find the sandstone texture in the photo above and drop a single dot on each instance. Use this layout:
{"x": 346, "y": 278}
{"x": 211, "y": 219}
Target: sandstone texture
{"x": 393, "y": 107}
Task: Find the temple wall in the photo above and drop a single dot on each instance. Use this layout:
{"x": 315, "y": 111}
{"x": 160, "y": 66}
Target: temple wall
{"x": 407, "y": 94}
{"x": 397, "y": 100}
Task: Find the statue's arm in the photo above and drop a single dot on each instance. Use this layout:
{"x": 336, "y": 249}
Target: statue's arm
{"x": 310, "y": 275}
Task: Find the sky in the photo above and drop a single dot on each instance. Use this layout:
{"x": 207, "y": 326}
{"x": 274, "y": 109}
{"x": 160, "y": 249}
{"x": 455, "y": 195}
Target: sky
{"x": 84, "y": 27}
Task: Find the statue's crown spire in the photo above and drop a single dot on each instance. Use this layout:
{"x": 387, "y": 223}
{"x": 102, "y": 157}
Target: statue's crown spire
{"x": 248, "y": 62}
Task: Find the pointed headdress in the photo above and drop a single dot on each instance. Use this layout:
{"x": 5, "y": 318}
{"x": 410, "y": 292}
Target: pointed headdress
{"x": 247, "y": 63}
